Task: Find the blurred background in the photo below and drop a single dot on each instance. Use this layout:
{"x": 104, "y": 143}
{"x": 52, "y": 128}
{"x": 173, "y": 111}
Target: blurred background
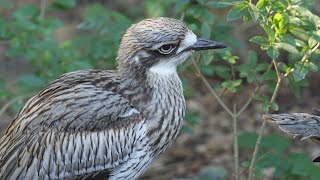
{"x": 42, "y": 39}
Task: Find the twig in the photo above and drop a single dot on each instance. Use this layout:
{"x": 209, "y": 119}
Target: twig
{"x": 233, "y": 114}
{"x": 245, "y": 106}
{"x": 43, "y": 6}
{"x": 307, "y": 54}
{"x": 182, "y": 16}
{"x": 224, "y": 106}
{"x": 260, "y": 158}
{"x": 258, "y": 142}
{"x": 235, "y": 142}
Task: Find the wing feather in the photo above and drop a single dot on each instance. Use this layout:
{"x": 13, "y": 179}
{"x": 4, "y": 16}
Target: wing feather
{"x": 74, "y": 127}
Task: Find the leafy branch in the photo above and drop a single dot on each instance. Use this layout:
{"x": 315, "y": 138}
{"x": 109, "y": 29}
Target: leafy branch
{"x": 234, "y": 115}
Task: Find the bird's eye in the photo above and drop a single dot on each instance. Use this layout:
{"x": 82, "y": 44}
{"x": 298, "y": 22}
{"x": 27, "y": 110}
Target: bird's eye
{"x": 166, "y": 49}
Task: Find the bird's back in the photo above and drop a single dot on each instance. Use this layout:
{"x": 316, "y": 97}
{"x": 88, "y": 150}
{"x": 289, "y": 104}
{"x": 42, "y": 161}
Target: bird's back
{"x": 77, "y": 126}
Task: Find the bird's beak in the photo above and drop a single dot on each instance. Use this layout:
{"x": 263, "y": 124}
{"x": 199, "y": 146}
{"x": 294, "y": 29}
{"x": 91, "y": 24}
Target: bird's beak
{"x": 204, "y": 44}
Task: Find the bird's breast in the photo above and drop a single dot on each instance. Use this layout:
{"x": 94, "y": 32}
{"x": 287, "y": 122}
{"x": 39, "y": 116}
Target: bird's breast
{"x": 165, "y": 113}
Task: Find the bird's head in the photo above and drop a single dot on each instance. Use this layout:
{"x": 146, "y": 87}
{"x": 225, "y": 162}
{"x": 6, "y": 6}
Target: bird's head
{"x": 158, "y": 45}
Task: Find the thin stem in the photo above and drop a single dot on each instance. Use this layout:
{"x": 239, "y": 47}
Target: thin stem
{"x": 233, "y": 114}
{"x": 224, "y": 106}
{"x": 305, "y": 57}
{"x": 235, "y": 142}
{"x": 258, "y": 142}
{"x": 182, "y": 16}
{"x": 43, "y": 5}
{"x": 245, "y": 106}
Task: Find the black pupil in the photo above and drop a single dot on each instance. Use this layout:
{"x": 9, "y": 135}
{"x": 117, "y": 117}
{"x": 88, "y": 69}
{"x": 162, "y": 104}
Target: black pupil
{"x": 166, "y": 47}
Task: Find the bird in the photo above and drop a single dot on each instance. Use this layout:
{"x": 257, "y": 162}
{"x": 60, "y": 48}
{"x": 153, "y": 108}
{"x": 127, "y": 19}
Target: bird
{"x": 106, "y": 123}
{"x": 301, "y": 125}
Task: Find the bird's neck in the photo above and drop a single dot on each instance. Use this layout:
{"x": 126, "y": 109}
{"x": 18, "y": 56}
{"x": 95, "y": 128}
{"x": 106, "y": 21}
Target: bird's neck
{"x": 134, "y": 87}
{"x": 166, "y": 110}
{"x": 142, "y": 86}
{"x": 160, "y": 96}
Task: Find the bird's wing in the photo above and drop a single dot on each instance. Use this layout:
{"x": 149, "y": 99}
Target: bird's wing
{"x": 78, "y": 125}
{"x": 302, "y": 125}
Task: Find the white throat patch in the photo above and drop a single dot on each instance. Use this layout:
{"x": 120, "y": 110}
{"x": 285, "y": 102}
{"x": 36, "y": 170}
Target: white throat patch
{"x": 189, "y": 40}
{"x": 164, "y": 68}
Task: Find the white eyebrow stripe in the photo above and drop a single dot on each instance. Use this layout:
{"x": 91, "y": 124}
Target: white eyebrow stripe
{"x": 189, "y": 40}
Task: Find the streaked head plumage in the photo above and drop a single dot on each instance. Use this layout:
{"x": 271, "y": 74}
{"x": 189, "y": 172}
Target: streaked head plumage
{"x": 156, "y": 44}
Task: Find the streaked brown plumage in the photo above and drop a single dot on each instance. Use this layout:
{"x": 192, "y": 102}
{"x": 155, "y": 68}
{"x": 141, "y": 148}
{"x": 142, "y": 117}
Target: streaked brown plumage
{"x": 111, "y": 123}
{"x": 301, "y": 125}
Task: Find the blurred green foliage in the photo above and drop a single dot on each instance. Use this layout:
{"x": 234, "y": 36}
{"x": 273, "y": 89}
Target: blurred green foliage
{"x": 274, "y": 154}
{"x": 287, "y": 32}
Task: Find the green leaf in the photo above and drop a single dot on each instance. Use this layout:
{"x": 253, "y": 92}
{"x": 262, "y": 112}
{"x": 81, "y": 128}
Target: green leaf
{"x": 247, "y": 140}
{"x": 187, "y": 130}
{"x": 265, "y": 106}
{"x": 232, "y": 85}
{"x": 222, "y": 71}
{"x": 252, "y": 57}
{"x": 26, "y": 11}
{"x": 300, "y": 43}
{"x": 209, "y": 18}
{"x": 275, "y": 142}
{"x": 64, "y": 4}
{"x": 288, "y": 39}
{"x": 300, "y": 70}
{"x": 287, "y": 47}
{"x": 4, "y": 29}
{"x": 179, "y": 5}
{"x": 260, "y": 40}
{"x": 270, "y": 33}
{"x": 274, "y": 106}
{"x": 206, "y": 58}
{"x": 260, "y": 98}
{"x": 300, "y": 33}
{"x": 205, "y": 30}
{"x": 313, "y": 67}
{"x": 237, "y": 12}
{"x": 246, "y": 163}
{"x": 261, "y": 4}
{"x": 295, "y": 86}
{"x": 316, "y": 35}
{"x": 282, "y": 66}
{"x": 273, "y": 52}
{"x": 269, "y": 75}
{"x": 300, "y": 162}
{"x": 312, "y": 42}
{"x": 254, "y": 12}
{"x": 280, "y": 22}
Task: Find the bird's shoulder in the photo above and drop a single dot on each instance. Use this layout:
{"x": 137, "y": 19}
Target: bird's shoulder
{"x": 80, "y": 100}
{"x": 83, "y": 109}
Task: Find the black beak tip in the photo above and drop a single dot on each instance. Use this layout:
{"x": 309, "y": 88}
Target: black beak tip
{"x": 204, "y": 44}
{"x": 221, "y": 45}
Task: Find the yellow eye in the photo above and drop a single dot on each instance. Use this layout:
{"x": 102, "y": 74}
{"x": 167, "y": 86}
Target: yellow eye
{"x": 166, "y": 49}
